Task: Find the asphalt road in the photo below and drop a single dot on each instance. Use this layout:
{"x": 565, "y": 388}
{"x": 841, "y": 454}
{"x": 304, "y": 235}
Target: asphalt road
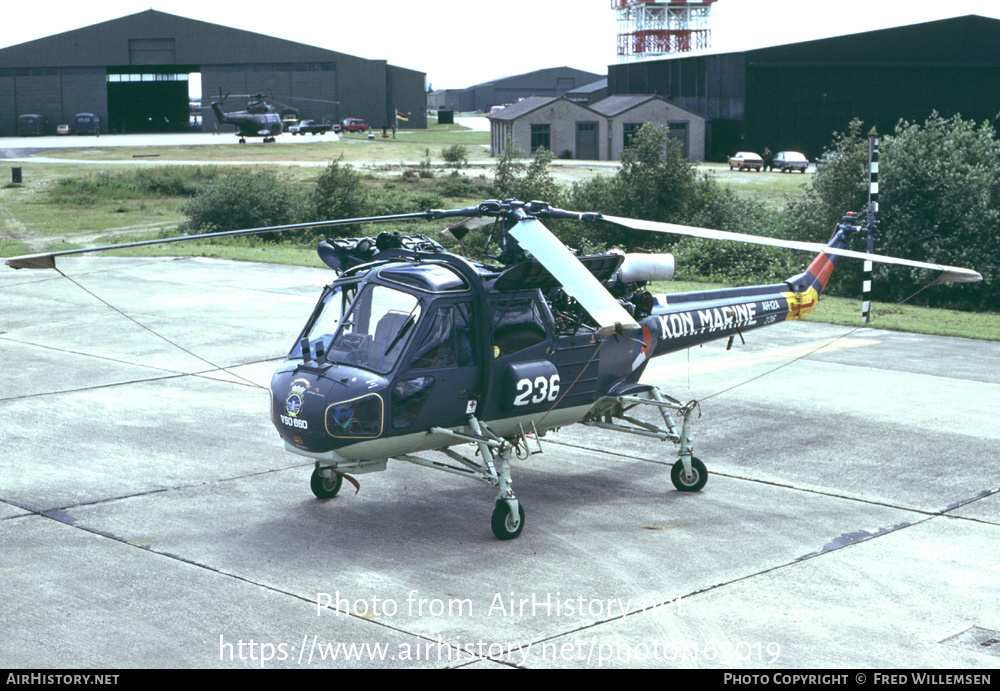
{"x": 149, "y": 516}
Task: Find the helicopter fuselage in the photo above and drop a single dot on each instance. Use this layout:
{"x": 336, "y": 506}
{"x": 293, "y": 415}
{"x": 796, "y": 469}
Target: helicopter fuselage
{"x": 250, "y": 123}
{"x": 398, "y": 351}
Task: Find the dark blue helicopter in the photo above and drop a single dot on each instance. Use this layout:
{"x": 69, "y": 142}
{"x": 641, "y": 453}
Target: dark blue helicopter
{"x": 415, "y": 349}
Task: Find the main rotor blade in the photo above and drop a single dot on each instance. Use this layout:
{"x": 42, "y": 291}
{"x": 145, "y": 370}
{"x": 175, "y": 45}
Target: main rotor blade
{"x": 951, "y": 274}
{"x": 575, "y": 279}
{"x": 46, "y": 260}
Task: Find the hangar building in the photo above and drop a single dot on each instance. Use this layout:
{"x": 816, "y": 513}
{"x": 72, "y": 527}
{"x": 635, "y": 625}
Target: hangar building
{"x": 796, "y": 96}
{"x": 133, "y": 73}
{"x": 552, "y": 81}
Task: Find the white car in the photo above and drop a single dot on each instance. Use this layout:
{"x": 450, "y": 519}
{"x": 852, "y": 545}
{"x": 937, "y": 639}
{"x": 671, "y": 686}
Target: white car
{"x": 745, "y": 160}
{"x": 790, "y": 160}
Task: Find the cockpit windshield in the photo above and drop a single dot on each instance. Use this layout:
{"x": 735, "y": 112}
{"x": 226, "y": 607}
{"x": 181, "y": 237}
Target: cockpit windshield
{"x": 368, "y": 330}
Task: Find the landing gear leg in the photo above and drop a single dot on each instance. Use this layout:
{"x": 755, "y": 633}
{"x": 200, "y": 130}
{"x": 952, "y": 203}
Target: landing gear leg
{"x": 493, "y": 468}
{"x": 508, "y": 516}
{"x": 688, "y": 474}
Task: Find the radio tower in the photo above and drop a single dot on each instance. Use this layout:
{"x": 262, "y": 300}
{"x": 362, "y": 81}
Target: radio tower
{"x": 647, "y": 28}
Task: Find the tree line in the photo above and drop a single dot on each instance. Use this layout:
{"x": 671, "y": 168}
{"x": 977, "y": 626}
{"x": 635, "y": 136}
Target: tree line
{"x": 939, "y": 202}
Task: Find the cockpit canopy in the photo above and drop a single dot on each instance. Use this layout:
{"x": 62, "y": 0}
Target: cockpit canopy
{"x": 368, "y": 323}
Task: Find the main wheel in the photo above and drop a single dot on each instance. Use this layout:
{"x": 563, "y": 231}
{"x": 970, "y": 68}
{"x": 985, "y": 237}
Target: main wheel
{"x": 697, "y": 479}
{"x": 505, "y": 527}
{"x": 325, "y": 487}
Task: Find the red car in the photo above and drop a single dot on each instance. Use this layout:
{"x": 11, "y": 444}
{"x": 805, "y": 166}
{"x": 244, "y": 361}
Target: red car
{"x": 355, "y": 125}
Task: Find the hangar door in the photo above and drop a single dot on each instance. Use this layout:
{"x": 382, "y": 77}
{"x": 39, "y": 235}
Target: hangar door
{"x": 148, "y": 99}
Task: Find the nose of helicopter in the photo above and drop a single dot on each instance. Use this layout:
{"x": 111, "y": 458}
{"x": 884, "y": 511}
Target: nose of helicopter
{"x": 321, "y": 409}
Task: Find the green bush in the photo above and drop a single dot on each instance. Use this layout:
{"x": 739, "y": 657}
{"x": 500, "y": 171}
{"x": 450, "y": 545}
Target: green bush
{"x": 244, "y": 199}
{"x": 458, "y": 186}
{"x": 733, "y": 263}
{"x": 143, "y": 184}
{"x": 939, "y": 185}
{"x": 340, "y": 192}
{"x": 655, "y": 183}
{"x": 455, "y": 155}
{"x": 515, "y": 179}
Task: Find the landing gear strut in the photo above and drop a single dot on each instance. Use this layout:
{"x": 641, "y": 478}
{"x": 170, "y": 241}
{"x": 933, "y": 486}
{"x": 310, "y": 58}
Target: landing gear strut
{"x": 494, "y": 469}
{"x": 688, "y": 474}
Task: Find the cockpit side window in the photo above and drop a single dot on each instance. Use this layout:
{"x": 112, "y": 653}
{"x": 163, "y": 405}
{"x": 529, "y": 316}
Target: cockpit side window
{"x": 327, "y": 316}
{"x": 518, "y": 323}
{"x": 450, "y": 341}
{"x": 370, "y": 331}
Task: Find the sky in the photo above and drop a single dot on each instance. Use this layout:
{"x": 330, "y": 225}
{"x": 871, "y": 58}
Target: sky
{"x": 458, "y": 43}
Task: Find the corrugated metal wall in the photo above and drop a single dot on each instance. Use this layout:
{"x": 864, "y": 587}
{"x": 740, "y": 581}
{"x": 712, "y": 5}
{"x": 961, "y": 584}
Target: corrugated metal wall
{"x": 64, "y": 74}
{"x": 796, "y": 96}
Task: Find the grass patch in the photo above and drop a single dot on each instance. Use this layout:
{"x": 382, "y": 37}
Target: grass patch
{"x": 909, "y": 318}
{"x": 409, "y": 146}
{"x": 13, "y": 248}
{"x": 73, "y": 206}
{"x": 771, "y": 188}
{"x": 138, "y": 184}
{"x": 233, "y": 250}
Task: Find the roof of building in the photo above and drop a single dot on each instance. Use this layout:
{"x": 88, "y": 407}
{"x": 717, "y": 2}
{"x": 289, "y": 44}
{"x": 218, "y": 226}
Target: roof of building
{"x": 191, "y": 40}
{"x": 613, "y": 105}
{"x": 523, "y": 107}
{"x": 535, "y": 73}
{"x": 590, "y": 88}
{"x": 616, "y": 105}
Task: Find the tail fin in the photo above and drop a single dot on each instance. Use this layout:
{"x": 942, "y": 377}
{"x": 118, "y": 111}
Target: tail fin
{"x": 817, "y": 275}
{"x": 220, "y": 114}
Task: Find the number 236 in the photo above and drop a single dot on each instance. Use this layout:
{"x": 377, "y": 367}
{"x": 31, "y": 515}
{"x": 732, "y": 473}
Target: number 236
{"x": 538, "y": 390}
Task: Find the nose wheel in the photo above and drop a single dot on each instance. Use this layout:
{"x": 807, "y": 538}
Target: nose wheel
{"x": 507, "y": 526}
{"x": 325, "y": 487}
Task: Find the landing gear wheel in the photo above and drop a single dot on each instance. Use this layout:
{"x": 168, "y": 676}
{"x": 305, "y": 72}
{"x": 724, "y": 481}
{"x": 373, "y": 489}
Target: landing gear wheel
{"x": 325, "y": 487}
{"x": 692, "y": 483}
{"x": 504, "y": 525}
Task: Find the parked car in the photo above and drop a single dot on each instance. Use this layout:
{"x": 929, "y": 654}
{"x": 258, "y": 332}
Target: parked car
{"x": 790, "y": 160}
{"x": 745, "y": 160}
{"x": 62, "y": 129}
{"x": 355, "y": 125}
{"x": 305, "y": 127}
{"x": 87, "y": 123}
{"x": 31, "y": 125}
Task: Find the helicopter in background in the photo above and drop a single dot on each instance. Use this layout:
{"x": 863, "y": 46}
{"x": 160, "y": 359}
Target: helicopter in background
{"x": 260, "y": 119}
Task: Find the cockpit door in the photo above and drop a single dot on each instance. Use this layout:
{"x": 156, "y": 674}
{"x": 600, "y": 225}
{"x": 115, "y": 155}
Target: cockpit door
{"x": 441, "y": 374}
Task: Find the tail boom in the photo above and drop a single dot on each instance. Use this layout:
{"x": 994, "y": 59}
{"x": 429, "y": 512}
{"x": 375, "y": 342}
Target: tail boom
{"x": 681, "y": 320}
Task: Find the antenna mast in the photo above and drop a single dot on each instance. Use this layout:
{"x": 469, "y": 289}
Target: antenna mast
{"x": 648, "y": 28}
